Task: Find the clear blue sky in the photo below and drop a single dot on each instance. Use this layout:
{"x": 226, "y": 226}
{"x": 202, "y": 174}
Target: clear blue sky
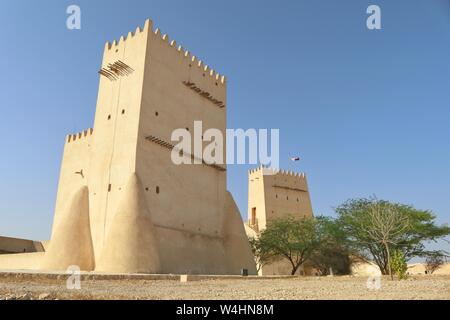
{"x": 368, "y": 111}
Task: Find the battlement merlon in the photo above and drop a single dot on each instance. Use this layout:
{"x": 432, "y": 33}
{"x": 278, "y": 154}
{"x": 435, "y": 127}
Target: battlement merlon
{"x": 140, "y": 34}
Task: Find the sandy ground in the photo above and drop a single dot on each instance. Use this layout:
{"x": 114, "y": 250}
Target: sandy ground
{"x": 345, "y": 287}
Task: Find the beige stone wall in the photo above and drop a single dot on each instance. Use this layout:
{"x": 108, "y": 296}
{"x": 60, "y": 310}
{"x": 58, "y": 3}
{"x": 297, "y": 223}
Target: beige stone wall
{"x": 287, "y": 194}
{"x": 71, "y": 242}
{"x": 76, "y": 159}
{"x": 116, "y": 124}
{"x": 15, "y": 245}
{"x": 283, "y": 267}
{"x": 21, "y": 261}
{"x": 256, "y": 201}
{"x": 364, "y": 268}
{"x": 277, "y": 195}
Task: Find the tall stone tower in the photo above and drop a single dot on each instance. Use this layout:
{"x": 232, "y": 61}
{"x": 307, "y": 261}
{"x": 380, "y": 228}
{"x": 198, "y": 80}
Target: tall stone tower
{"x": 274, "y": 195}
{"x": 122, "y": 205}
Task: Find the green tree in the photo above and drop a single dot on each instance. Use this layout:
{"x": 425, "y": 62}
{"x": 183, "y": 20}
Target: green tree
{"x": 375, "y": 227}
{"x": 292, "y": 239}
{"x": 332, "y": 254}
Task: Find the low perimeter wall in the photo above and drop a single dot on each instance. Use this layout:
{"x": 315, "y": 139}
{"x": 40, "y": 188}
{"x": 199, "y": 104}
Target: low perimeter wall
{"x": 14, "y": 245}
{"x": 21, "y": 261}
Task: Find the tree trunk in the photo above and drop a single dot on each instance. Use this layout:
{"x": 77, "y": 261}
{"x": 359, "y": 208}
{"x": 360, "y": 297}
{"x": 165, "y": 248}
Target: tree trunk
{"x": 388, "y": 260}
{"x": 294, "y": 270}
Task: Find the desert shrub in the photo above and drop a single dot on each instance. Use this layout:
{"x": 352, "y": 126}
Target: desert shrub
{"x": 398, "y": 264}
{"x": 434, "y": 262}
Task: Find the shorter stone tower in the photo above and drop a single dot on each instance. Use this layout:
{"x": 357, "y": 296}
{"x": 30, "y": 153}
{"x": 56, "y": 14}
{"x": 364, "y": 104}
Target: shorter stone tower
{"x": 274, "y": 195}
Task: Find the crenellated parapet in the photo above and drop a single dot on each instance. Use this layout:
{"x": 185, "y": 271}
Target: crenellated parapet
{"x": 71, "y": 138}
{"x": 190, "y": 60}
{"x": 131, "y": 36}
{"x": 261, "y": 170}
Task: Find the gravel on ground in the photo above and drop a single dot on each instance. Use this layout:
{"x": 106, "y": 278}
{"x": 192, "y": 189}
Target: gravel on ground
{"x": 338, "y": 287}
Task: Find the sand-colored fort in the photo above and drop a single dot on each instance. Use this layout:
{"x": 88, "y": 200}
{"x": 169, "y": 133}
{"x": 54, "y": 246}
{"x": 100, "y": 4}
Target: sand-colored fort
{"x": 143, "y": 227}
{"x": 122, "y": 206}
